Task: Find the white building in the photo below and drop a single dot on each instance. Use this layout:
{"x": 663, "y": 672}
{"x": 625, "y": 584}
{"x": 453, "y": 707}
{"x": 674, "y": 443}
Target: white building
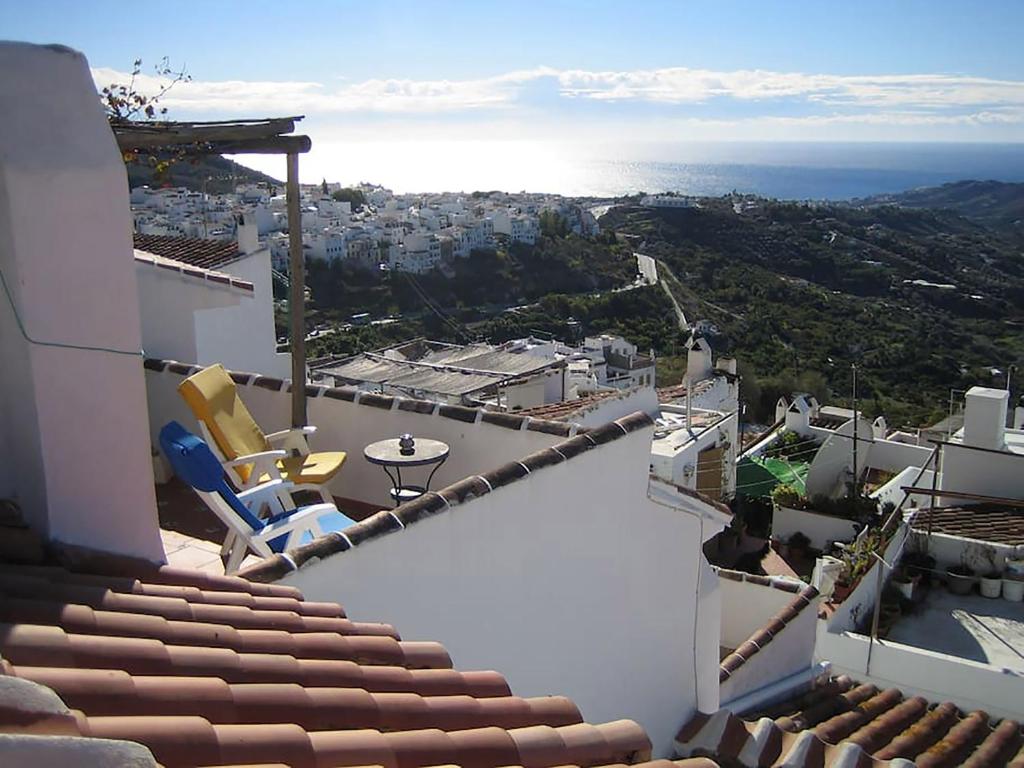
{"x": 182, "y": 320}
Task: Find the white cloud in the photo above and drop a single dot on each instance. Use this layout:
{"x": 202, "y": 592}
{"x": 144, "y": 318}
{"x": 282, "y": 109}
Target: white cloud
{"x": 895, "y": 99}
{"x": 679, "y": 85}
{"x": 377, "y": 95}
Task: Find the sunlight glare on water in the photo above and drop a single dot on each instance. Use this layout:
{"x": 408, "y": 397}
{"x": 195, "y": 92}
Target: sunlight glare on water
{"x": 789, "y": 171}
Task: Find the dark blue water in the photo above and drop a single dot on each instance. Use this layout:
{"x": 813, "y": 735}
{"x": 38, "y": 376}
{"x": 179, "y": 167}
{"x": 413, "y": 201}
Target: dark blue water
{"x": 802, "y": 171}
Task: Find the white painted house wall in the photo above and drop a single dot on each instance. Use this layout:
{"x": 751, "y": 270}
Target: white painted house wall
{"x": 789, "y": 652}
{"x": 73, "y": 420}
{"x": 243, "y": 337}
{"x": 168, "y": 301}
{"x": 746, "y": 608}
{"x": 569, "y": 581}
{"x": 822, "y": 530}
{"x": 966, "y": 470}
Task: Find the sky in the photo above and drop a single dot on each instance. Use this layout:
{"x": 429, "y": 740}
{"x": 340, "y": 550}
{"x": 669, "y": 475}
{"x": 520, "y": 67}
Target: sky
{"x": 405, "y": 74}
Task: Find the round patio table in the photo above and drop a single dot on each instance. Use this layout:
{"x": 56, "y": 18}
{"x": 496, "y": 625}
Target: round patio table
{"x": 388, "y": 455}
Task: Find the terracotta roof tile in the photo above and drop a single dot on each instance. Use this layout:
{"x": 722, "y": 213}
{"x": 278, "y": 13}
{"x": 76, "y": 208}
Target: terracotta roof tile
{"x": 214, "y": 671}
{"x": 840, "y": 722}
{"x": 199, "y": 252}
{"x": 565, "y": 410}
{"x": 210, "y": 275}
{"x": 983, "y": 522}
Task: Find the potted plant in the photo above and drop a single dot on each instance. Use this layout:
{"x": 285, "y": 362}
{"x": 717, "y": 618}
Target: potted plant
{"x": 991, "y": 584}
{"x": 904, "y": 582}
{"x": 799, "y": 544}
{"x": 842, "y": 589}
{"x": 960, "y": 579}
{"x": 921, "y": 565}
{"x": 785, "y": 495}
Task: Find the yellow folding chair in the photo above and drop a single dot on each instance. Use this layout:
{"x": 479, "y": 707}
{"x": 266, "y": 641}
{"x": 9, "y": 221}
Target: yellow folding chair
{"x": 248, "y": 455}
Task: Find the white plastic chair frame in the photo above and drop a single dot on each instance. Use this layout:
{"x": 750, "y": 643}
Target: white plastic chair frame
{"x": 294, "y": 442}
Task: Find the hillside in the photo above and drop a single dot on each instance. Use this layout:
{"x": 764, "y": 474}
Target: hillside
{"x": 996, "y": 204}
{"x": 924, "y": 301}
{"x": 221, "y": 175}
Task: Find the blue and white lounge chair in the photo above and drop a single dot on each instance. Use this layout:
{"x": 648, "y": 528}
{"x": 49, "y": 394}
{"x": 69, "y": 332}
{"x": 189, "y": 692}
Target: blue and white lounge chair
{"x": 195, "y": 464}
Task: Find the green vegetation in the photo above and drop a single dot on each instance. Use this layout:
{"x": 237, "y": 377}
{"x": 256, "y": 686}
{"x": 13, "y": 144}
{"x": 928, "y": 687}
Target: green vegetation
{"x": 997, "y": 204}
{"x": 795, "y": 292}
{"x": 350, "y": 195}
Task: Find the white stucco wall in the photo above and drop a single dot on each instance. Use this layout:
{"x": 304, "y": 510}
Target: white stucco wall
{"x": 789, "y": 652}
{"x": 822, "y": 530}
{"x": 167, "y": 301}
{"x": 570, "y": 581}
{"x": 346, "y": 426}
{"x": 984, "y": 472}
{"x": 893, "y": 456}
{"x": 949, "y": 551}
{"x": 747, "y": 607}
{"x": 75, "y": 419}
{"x": 243, "y": 338}
{"x": 639, "y": 399}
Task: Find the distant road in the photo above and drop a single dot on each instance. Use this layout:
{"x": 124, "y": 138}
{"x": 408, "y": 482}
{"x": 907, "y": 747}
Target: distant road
{"x": 648, "y": 268}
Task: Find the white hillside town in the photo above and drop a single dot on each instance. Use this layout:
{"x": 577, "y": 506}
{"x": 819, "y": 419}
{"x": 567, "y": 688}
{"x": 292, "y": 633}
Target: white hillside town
{"x": 529, "y": 553}
{"x": 412, "y": 233}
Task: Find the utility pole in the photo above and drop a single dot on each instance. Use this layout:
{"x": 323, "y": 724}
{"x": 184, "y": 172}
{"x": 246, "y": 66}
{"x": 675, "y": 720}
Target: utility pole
{"x": 855, "y": 422}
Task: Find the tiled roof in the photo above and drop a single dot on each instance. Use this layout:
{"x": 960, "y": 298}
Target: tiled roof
{"x": 679, "y": 391}
{"x": 432, "y": 503}
{"x": 214, "y": 670}
{"x": 196, "y": 251}
{"x": 828, "y": 421}
{"x": 842, "y": 723}
{"x": 199, "y": 273}
{"x": 566, "y": 409}
{"x": 763, "y": 636}
{"x": 984, "y": 522}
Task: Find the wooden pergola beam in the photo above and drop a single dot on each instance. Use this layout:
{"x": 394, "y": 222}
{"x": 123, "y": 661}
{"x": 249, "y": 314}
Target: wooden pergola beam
{"x": 270, "y": 136}
{"x": 136, "y": 135}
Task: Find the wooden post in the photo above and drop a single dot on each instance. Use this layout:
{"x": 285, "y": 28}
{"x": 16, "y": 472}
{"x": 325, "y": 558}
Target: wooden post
{"x": 297, "y": 294}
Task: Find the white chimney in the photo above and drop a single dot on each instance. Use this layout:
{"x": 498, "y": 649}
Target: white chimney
{"x": 698, "y": 360}
{"x": 248, "y": 235}
{"x": 985, "y": 418}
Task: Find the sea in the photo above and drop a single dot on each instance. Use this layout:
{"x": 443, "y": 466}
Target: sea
{"x": 784, "y": 170}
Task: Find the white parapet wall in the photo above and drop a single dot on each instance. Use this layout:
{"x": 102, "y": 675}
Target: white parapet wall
{"x": 569, "y": 571}
{"x": 822, "y": 530}
{"x": 748, "y": 602}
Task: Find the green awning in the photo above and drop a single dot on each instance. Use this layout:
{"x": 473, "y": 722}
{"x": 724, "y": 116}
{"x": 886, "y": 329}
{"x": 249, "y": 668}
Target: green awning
{"x": 757, "y": 476}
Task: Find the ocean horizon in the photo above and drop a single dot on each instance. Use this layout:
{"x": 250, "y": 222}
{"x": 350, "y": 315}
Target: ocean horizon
{"x": 783, "y": 170}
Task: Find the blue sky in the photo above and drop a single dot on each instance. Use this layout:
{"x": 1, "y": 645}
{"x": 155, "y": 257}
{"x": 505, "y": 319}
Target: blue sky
{"x": 572, "y": 71}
